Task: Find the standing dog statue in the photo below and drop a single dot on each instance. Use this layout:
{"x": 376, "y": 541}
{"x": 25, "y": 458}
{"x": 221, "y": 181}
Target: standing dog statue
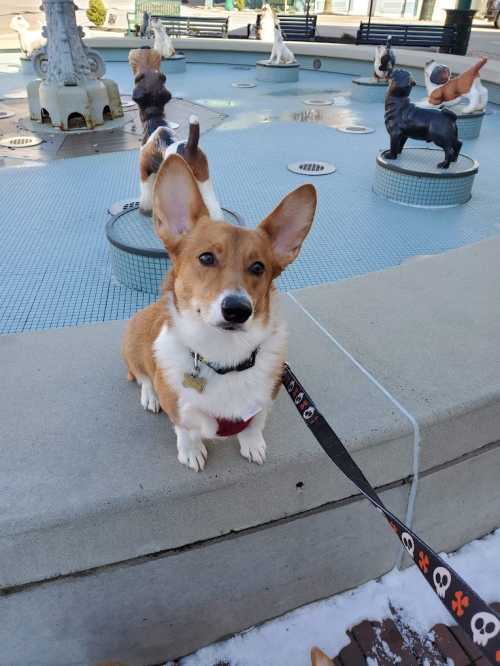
{"x": 281, "y": 54}
{"x": 158, "y": 140}
{"x": 404, "y": 120}
{"x": 29, "y": 40}
{"x": 162, "y": 41}
{"x": 210, "y": 352}
{"x": 384, "y": 62}
{"x": 443, "y": 89}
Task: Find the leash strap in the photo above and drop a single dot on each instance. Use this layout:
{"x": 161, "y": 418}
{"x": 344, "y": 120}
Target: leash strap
{"x": 467, "y": 608}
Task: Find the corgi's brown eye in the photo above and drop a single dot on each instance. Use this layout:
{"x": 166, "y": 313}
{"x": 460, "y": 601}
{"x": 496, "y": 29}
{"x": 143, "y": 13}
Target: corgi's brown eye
{"x": 257, "y": 268}
{"x": 207, "y": 259}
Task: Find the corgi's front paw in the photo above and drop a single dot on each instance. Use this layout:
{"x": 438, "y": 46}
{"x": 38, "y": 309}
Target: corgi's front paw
{"x": 191, "y": 452}
{"x": 253, "y": 448}
{"x": 149, "y": 399}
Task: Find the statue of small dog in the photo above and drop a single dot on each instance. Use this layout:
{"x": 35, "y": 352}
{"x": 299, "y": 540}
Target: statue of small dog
{"x": 384, "y": 62}
{"x": 442, "y": 88}
{"x": 404, "y": 120}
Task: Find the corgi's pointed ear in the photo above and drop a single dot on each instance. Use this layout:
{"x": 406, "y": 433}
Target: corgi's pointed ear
{"x": 289, "y": 224}
{"x": 319, "y": 658}
{"x": 177, "y": 202}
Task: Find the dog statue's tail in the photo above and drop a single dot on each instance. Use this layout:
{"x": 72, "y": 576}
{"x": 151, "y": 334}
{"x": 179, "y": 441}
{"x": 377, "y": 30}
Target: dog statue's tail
{"x": 193, "y": 136}
{"x": 475, "y": 68}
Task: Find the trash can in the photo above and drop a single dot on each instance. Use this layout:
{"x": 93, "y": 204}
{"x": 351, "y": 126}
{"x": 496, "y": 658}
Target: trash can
{"x": 462, "y": 20}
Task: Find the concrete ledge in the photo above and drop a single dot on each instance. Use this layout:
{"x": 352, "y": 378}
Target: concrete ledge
{"x": 109, "y": 548}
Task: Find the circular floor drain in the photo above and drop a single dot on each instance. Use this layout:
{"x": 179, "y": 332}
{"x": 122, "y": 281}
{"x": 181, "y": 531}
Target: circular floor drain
{"x": 20, "y": 141}
{"x": 318, "y": 102}
{"x": 123, "y": 206}
{"x": 356, "y": 129}
{"x": 6, "y": 114}
{"x": 243, "y": 84}
{"x": 241, "y": 67}
{"x": 173, "y": 125}
{"x": 128, "y": 103}
{"x": 312, "y": 168}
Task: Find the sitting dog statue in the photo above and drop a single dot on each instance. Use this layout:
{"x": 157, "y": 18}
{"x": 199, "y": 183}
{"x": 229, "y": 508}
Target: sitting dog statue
{"x": 281, "y": 54}
{"x": 404, "y": 120}
{"x": 158, "y": 140}
{"x": 29, "y": 40}
{"x": 162, "y": 42}
{"x": 384, "y": 62}
{"x": 443, "y": 89}
{"x": 267, "y": 24}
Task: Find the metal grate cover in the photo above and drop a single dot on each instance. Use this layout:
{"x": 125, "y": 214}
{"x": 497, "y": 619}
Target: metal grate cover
{"x": 20, "y": 141}
{"x": 243, "y": 84}
{"x": 4, "y": 113}
{"x": 356, "y": 129}
{"x": 173, "y": 125}
{"x": 312, "y": 168}
{"x": 123, "y": 206}
{"x": 19, "y": 93}
{"x": 318, "y": 102}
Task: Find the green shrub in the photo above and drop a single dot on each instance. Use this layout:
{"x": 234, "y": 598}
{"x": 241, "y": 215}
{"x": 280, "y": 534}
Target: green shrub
{"x": 240, "y": 5}
{"x": 96, "y": 12}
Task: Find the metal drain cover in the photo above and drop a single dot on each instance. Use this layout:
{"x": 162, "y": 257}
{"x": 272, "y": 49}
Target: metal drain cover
{"x": 318, "y": 102}
{"x": 312, "y": 168}
{"x": 128, "y": 103}
{"x": 243, "y": 84}
{"x": 123, "y": 206}
{"x": 173, "y": 125}
{"x": 241, "y": 67}
{"x": 6, "y": 114}
{"x": 20, "y": 141}
{"x": 356, "y": 129}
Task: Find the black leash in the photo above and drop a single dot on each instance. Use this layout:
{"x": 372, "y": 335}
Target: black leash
{"x": 467, "y": 608}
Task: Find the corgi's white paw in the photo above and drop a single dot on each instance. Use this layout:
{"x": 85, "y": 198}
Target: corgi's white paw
{"x": 149, "y": 399}
{"x": 253, "y": 448}
{"x": 193, "y": 455}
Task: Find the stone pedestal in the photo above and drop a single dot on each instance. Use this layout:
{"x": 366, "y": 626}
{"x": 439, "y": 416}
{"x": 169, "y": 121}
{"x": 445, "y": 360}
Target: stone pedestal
{"x": 469, "y": 124}
{"x": 414, "y": 179}
{"x": 174, "y": 65}
{"x": 277, "y": 73}
{"x": 26, "y": 66}
{"x": 366, "y": 89}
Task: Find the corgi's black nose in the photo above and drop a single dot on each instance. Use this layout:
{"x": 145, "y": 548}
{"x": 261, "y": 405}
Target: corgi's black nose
{"x": 236, "y": 308}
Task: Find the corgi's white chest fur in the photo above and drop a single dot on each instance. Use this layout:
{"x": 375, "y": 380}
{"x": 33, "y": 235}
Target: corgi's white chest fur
{"x": 232, "y": 396}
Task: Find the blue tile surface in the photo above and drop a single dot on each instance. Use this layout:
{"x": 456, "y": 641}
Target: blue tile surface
{"x": 55, "y": 266}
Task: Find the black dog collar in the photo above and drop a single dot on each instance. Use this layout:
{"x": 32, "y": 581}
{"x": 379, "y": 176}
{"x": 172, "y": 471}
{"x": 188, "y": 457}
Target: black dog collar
{"x": 244, "y": 365}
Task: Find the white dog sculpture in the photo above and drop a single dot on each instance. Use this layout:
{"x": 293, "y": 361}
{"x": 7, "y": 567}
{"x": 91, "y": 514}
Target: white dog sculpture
{"x": 162, "y": 41}
{"x": 267, "y": 24}
{"x": 281, "y": 54}
{"x": 29, "y": 40}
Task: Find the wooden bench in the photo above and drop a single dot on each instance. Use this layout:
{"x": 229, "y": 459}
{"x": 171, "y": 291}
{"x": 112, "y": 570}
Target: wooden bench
{"x": 163, "y": 7}
{"x": 294, "y": 27}
{"x": 430, "y": 36}
{"x": 194, "y": 26}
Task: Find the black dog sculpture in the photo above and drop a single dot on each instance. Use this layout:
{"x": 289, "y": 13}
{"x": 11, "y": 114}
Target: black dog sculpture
{"x": 404, "y": 120}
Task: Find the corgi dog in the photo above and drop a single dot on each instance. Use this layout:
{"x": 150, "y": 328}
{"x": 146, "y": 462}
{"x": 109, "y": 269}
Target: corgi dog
{"x": 442, "y": 88}
{"x": 162, "y": 41}
{"x": 210, "y": 351}
{"x": 281, "y": 54}
{"x": 158, "y": 140}
{"x": 384, "y": 61}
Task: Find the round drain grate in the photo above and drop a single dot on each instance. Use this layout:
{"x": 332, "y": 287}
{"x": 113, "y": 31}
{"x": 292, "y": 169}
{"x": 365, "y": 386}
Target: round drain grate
{"x": 312, "y": 168}
{"x": 6, "y": 114}
{"x": 123, "y": 206}
{"x": 128, "y": 103}
{"x": 356, "y": 129}
{"x": 241, "y": 67}
{"x": 243, "y": 84}
{"x": 173, "y": 125}
{"x": 20, "y": 141}
{"x": 318, "y": 102}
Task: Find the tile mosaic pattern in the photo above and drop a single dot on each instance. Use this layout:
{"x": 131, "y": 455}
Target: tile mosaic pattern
{"x": 55, "y": 267}
{"x": 469, "y": 127}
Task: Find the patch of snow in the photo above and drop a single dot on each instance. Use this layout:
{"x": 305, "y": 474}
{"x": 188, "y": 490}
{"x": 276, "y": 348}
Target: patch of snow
{"x": 288, "y": 639}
